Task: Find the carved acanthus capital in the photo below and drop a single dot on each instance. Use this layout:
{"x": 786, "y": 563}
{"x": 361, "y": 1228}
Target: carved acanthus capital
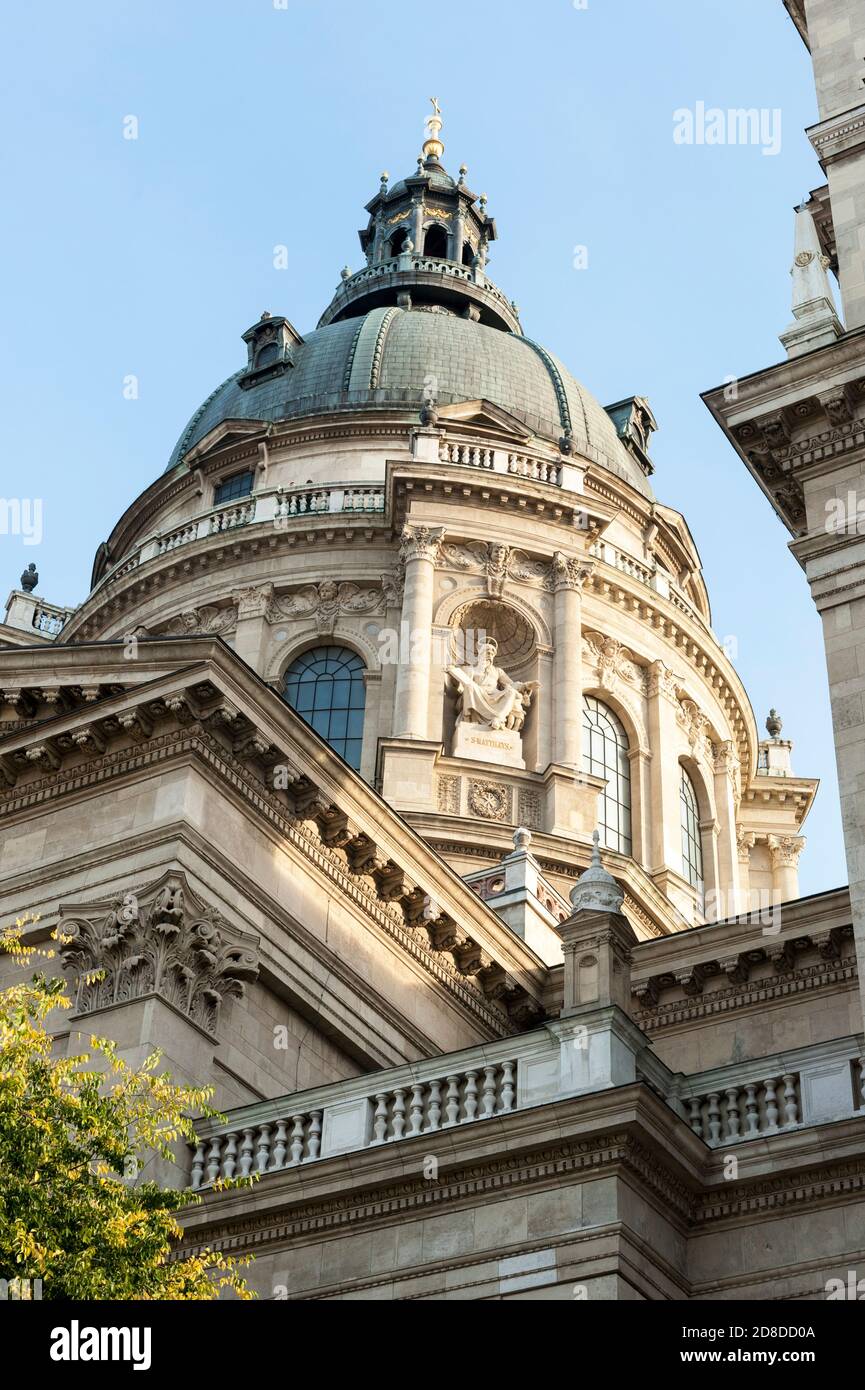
{"x": 162, "y": 941}
{"x": 569, "y": 572}
{"x": 785, "y": 850}
{"x": 421, "y": 543}
{"x": 745, "y": 841}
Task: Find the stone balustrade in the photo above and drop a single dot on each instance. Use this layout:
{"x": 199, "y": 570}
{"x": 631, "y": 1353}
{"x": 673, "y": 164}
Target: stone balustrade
{"x": 746, "y": 1111}
{"x": 428, "y": 1097}
{"x": 470, "y": 454}
{"x": 275, "y": 505}
{"x": 653, "y": 577}
{"x": 809, "y": 1086}
{"x": 729, "y": 1105}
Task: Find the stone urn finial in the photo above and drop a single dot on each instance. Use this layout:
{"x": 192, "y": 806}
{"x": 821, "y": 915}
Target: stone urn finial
{"x": 596, "y": 890}
{"x": 774, "y": 724}
{"x": 30, "y": 578}
{"x": 522, "y": 838}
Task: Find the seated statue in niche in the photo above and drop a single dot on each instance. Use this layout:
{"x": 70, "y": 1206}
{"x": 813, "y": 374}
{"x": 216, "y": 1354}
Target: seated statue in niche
{"x": 487, "y": 697}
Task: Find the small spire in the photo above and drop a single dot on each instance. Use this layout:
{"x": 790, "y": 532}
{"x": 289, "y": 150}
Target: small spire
{"x": 815, "y": 321}
{"x": 433, "y": 148}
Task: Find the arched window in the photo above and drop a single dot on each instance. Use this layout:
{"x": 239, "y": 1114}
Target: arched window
{"x": 692, "y": 843}
{"x": 468, "y": 253}
{"x": 397, "y": 241}
{"x": 436, "y": 242}
{"x": 605, "y": 754}
{"x": 325, "y": 686}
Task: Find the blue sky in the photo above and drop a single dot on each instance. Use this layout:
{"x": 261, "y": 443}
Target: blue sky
{"x": 261, "y": 126}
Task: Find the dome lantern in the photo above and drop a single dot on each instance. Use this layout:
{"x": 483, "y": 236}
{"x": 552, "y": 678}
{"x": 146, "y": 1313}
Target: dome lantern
{"x": 426, "y": 245}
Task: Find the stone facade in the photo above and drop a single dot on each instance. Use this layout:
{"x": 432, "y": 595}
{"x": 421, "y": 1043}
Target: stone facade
{"x": 314, "y": 777}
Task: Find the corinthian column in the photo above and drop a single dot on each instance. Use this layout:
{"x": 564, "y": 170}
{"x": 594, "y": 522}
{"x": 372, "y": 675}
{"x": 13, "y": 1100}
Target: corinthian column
{"x": 418, "y": 553}
{"x": 569, "y": 576}
{"x": 785, "y": 851}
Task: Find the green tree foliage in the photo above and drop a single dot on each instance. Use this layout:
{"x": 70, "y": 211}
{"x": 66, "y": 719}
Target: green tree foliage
{"x": 75, "y": 1133}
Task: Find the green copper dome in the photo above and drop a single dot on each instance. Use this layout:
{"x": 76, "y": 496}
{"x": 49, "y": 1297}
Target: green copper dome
{"x": 389, "y": 357}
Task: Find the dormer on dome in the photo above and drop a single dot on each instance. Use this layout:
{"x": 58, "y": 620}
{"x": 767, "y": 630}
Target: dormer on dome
{"x": 426, "y": 245}
{"x": 270, "y": 345}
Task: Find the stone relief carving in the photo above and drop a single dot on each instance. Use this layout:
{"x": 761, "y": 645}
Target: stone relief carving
{"x": 449, "y": 795}
{"x": 326, "y": 602}
{"x": 498, "y": 563}
{"x": 490, "y": 800}
{"x": 613, "y": 661}
{"x": 695, "y": 724}
{"x": 209, "y": 620}
{"x": 530, "y": 810}
{"x": 164, "y": 941}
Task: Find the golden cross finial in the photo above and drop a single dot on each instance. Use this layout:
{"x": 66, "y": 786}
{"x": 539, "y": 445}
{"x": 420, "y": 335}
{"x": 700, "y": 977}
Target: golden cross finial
{"x": 433, "y": 147}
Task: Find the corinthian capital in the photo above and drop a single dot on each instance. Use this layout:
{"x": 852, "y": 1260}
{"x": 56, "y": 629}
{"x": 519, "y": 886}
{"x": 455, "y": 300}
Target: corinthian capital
{"x": 162, "y": 941}
{"x": 569, "y": 572}
{"x": 785, "y": 850}
{"x": 421, "y": 543}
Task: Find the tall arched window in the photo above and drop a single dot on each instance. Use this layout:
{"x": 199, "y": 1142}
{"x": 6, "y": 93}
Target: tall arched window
{"x": 605, "y": 754}
{"x": 436, "y": 242}
{"x": 692, "y": 843}
{"x": 325, "y": 686}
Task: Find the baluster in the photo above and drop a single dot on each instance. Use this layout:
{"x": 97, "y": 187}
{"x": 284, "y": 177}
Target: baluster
{"x": 197, "y": 1168}
{"x": 471, "y": 1095}
{"x": 791, "y": 1104}
{"x": 398, "y": 1113}
{"x": 507, "y": 1086}
{"x": 695, "y": 1118}
{"x": 229, "y": 1162}
{"x": 771, "y": 1106}
{"x": 489, "y": 1098}
{"x": 752, "y": 1113}
{"x": 732, "y": 1108}
{"x": 297, "y": 1138}
{"x": 280, "y": 1144}
{"x": 416, "y": 1108}
{"x": 714, "y": 1118}
{"x": 214, "y": 1159}
{"x": 247, "y": 1150}
{"x": 315, "y": 1134}
{"x": 380, "y": 1124}
{"x": 434, "y": 1107}
{"x": 263, "y": 1148}
{"x": 452, "y": 1106}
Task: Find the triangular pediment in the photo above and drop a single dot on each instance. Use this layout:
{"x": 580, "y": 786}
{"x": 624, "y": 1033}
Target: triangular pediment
{"x": 484, "y": 414}
{"x": 222, "y": 436}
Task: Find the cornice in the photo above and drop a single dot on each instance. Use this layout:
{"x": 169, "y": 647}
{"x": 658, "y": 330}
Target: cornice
{"x": 241, "y": 748}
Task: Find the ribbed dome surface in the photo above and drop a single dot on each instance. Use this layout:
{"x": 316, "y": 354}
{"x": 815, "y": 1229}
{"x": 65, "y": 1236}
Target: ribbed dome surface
{"x": 393, "y": 356}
